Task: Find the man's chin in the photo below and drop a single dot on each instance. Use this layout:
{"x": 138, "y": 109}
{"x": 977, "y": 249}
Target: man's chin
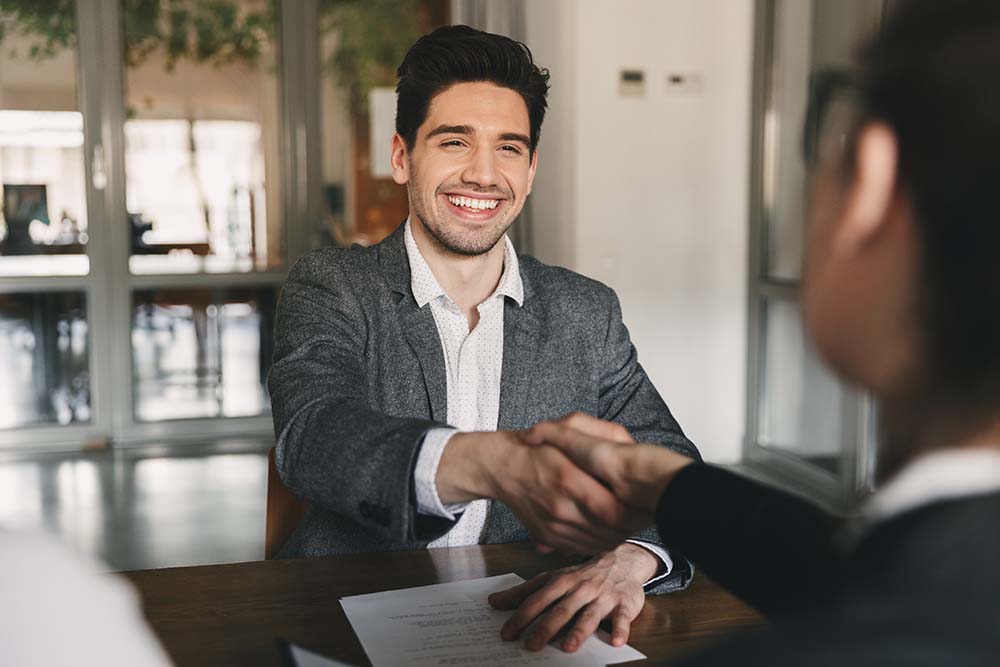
{"x": 468, "y": 243}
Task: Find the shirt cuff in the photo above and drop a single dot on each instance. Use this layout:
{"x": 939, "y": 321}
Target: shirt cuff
{"x": 425, "y": 475}
{"x": 662, "y": 555}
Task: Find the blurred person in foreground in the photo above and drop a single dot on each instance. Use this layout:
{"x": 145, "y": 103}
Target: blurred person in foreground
{"x": 58, "y": 610}
{"x": 902, "y": 299}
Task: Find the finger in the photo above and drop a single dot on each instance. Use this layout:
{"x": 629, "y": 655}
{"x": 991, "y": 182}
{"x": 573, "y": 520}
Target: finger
{"x": 587, "y": 622}
{"x": 544, "y": 549}
{"x": 576, "y": 445}
{"x": 514, "y": 596}
{"x": 570, "y": 527}
{"x": 621, "y": 624}
{"x": 580, "y": 540}
{"x": 558, "y": 617}
{"x": 534, "y": 605}
{"x": 596, "y": 500}
{"x": 597, "y": 428}
{"x": 536, "y": 434}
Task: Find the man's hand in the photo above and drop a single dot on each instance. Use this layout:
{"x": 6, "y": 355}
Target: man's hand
{"x": 636, "y": 473}
{"x": 609, "y": 585}
{"x": 561, "y": 506}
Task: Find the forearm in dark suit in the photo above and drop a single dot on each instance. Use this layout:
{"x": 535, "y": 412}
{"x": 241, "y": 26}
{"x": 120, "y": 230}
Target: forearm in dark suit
{"x": 772, "y": 549}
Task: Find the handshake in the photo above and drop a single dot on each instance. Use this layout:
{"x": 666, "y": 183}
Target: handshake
{"x": 579, "y": 484}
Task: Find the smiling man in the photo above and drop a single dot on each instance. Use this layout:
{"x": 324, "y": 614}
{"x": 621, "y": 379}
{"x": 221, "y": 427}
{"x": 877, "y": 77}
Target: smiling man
{"x": 405, "y": 371}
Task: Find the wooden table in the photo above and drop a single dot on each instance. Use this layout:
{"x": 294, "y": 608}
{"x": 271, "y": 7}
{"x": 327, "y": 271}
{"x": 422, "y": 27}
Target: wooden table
{"x": 229, "y": 614}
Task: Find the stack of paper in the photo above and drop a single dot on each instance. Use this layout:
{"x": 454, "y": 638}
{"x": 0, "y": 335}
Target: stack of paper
{"x": 453, "y": 624}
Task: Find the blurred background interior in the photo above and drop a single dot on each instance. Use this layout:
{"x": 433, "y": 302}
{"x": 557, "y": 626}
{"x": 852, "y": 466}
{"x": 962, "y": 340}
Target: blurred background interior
{"x": 164, "y": 162}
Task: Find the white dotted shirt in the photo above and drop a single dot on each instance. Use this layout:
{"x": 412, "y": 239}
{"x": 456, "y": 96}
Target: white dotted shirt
{"x": 473, "y": 361}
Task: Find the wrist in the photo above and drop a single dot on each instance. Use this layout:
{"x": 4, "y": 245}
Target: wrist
{"x": 468, "y": 466}
{"x": 643, "y": 563}
{"x": 653, "y": 468}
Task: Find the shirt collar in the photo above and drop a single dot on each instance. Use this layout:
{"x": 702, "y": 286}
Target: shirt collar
{"x": 426, "y": 287}
{"x": 944, "y": 474}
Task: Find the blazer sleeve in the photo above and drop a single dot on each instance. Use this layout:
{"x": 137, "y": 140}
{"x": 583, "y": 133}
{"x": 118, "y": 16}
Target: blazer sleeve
{"x": 333, "y": 449}
{"x": 628, "y": 397}
{"x": 772, "y": 549}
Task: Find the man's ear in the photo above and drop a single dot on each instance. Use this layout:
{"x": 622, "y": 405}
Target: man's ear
{"x": 531, "y": 170}
{"x": 400, "y": 160}
{"x": 872, "y": 188}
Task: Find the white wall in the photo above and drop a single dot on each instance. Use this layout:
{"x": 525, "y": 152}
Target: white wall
{"x": 650, "y": 194}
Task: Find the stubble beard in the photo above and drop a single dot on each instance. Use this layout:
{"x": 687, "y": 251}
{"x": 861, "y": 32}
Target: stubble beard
{"x": 467, "y": 243}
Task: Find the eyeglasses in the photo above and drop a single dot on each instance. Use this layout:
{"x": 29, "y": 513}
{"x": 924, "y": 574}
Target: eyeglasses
{"x": 832, "y": 115}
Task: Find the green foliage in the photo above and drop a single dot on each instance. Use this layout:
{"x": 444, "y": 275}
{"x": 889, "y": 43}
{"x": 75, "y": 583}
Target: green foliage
{"x": 217, "y": 32}
{"x": 373, "y": 36}
{"x": 52, "y": 22}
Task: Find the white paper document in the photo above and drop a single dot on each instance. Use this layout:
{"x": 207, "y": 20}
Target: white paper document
{"x": 453, "y": 624}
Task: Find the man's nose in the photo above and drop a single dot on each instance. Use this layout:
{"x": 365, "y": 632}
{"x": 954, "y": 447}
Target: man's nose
{"x": 481, "y": 169}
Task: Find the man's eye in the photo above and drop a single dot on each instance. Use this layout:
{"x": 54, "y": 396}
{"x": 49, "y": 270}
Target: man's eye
{"x": 511, "y": 149}
{"x": 452, "y": 142}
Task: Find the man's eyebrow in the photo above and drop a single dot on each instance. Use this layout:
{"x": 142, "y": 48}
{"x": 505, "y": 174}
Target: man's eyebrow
{"x": 450, "y": 129}
{"x": 467, "y": 130}
{"x": 515, "y": 136}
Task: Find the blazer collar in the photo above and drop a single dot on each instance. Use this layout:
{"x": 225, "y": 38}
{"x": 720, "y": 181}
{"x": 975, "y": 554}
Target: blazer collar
{"x": 395, "y": 265}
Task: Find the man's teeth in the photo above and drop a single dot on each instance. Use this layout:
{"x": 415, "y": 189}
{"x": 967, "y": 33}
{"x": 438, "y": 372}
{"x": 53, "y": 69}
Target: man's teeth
{"x": 478, "y": 204}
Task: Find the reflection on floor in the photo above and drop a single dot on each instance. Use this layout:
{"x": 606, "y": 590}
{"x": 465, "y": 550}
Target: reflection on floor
{"x": 154, "y": 507}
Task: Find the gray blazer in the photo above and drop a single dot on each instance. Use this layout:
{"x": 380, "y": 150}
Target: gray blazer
{"x": 358, "y": 378}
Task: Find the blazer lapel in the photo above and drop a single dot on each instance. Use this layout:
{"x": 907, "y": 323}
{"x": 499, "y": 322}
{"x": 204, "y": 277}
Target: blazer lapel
{"x": 520, "y": 346}
{"x": 521, "y": 329}
{"x": 422, "y": 336}
{"x": 417, "y": 324}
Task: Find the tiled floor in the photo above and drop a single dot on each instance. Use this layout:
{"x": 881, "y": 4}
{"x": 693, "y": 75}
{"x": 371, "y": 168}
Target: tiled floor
{"x": 144, "y": 508}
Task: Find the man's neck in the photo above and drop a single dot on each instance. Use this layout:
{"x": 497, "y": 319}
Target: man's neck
{"x": 467, "y": 280}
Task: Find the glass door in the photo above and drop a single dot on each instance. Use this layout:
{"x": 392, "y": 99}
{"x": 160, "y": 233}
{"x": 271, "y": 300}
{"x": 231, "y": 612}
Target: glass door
{"x": 49, "y": 191}
{"x": 202, "y": 215}
{"x": 147, "y": 169}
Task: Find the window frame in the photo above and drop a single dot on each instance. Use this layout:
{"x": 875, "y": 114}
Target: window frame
{"x": 109, "y": 286}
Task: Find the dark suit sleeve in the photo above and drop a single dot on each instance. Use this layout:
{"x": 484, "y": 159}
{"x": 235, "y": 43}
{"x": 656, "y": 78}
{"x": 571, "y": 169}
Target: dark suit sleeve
{"x": 333, "y": 449}
{"x": 772, "y": 549}
{"x": 628, "y": 397}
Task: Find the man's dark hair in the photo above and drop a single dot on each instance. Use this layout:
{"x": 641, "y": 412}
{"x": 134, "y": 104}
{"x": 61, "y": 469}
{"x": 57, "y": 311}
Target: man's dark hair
{"x": 460, "y": 54}
{"x": 933, "y": 75}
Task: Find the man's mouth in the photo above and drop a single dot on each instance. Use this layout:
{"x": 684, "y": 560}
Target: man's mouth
{"x": 473, "y": 203}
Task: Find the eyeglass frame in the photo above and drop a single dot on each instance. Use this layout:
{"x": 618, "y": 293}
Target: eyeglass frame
{"x": 824, "y": 86}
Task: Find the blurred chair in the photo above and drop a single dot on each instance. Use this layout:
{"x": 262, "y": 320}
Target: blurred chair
{"x": 284, "y": 510}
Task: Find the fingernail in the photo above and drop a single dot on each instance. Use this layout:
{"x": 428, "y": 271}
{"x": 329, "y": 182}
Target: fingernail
{"x": 571, "y": 644}
{"x": 535, "y": 643}
{"x": 617, "y": 640}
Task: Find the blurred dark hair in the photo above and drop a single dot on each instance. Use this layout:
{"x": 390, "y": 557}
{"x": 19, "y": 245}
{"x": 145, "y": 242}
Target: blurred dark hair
{"x": 460, "y": 54}
{"x": 933, "y": 75}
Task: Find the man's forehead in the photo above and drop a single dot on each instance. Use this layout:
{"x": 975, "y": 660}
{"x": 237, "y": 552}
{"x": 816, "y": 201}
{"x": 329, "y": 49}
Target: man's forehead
{"x": 479, "y": 106}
